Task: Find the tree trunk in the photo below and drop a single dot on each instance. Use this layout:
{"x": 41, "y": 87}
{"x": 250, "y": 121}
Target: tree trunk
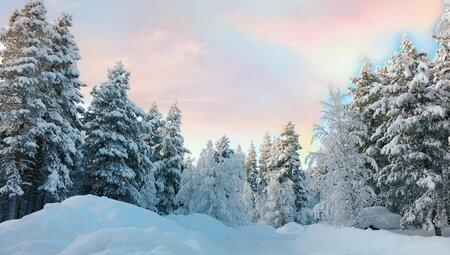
{"x": 12, "y": 207}
{"x": 437, "y": 231}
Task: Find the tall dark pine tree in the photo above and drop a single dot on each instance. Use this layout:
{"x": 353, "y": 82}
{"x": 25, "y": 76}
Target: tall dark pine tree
{"x": 116, "y": 158}
{"x": 172, "y": 162}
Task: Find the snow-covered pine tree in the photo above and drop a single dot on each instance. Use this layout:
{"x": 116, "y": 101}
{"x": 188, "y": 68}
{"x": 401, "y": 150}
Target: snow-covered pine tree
{"x": 250, "y": 183}
{"x": 64, "y": 106}
{"x": 264, "y": 157}
{"x": 218, "y": 192}
{"x": 39, "y": 140}
{"x": 418, "y": 150}
{"x": 240, "y": 151}
{"x": 190, "y": 180}
{"x": 116, "y": 158}
{"x": 343, "y": 183}
{"x": 241, "y": 156}
{"x": 362, "y": 99}
{"x": 441, "y": 68}
{"x": 279, "y": 207}
{"x": 156, "y": 123}
{"x": 285, "y": 162}
{"x": 395, "y": 75}
{"x": 172, "y": 165}
{"x": 263, "y": 175}
{"x": 223, "y": 149}
{"x": 280, "y": 204}
{"x": 364, "y": 94}
{"x": 250, "y": 167}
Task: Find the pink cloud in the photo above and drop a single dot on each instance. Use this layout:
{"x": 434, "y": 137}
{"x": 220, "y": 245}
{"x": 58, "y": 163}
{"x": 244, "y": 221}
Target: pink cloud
{"x": 221, "y": 60}
{"x": 338, "y": 20}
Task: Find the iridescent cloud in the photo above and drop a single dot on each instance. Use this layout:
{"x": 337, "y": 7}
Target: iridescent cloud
{"x": 239, "y": 67}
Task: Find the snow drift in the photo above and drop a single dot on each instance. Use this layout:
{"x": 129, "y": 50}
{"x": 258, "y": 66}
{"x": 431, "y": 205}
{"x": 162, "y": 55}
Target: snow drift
{"x": 98, "y": 225}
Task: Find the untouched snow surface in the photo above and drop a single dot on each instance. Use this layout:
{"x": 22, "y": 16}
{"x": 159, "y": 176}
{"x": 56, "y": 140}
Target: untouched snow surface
{"x": 98, "y": 225}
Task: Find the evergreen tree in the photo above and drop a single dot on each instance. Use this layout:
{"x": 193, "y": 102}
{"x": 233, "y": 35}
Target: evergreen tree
{"x": 172, "y": 165}
{"x": 213, "y": 188}
{"x": 240, "y": 152}
{"x": 343, "y": 183}
{"x": 285, "y": 162}
{"x": 362, "y": 98}
{"x": 190, "y": 180}
{"x": 154, "y": 138}
{"x": 251, "y": 167}
{"x": 263, "y": 177}
{"x": 39, "y": 137}
{"x": 279, "y": 207}
{"x": 396, "y": 75}
{"x": 264, "y": 158}
{"x": 116, "y": 158}
{"x": 223, "y": 150}
{"x": 249, "y": 199}
{"x": 364, "y": 94}
{"x": 441, "y": 69}
{"x": 65, "y": 109}
{"x": 418, "y": 146}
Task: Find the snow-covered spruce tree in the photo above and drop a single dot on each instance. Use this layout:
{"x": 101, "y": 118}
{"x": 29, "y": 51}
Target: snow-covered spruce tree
{"x": 362, "y": 99}
{"x": 172, "y": 165}
{"x": 156, "y": 124}
{"x": 263, "y": 176}
{"x": 188, "y": 185}
{"x": 64, "y": 109}
{"x": 115, "y": 156}
{"x": 364, "y": 94}
{"x": 264, "y": 157}
{"x": 279, "y": 207}
{"x": 223, "y": 149}
{"x": 194, "y": 189}
{"x": 343, "y": 184}
{"x": 395, "y": 75}
{"x": 239, "y": 151}
{"x": 249, "y": 199}
{"x": 250, "y": 186}
{"x": 40, "y": 139}
{"x": 250, "y": 167}
{"x": 218, "y": 189}
{"x": 441, "y": 68}
{"x": 417, "y": 150}
{"x": 21, "y": 111}
{"x": 397, "y": 193}
{"x": 285, "y": 161}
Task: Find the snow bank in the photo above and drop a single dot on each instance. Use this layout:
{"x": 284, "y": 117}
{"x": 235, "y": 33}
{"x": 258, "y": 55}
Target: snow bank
{"x": 379, "y": 217}
{"x": 98, "y": 225}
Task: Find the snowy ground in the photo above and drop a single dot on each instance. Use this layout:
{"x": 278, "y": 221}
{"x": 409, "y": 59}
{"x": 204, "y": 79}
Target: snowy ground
{"x": 93, "y": 225}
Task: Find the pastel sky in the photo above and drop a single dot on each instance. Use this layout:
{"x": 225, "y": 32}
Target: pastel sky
{"x": 239, "y": 68}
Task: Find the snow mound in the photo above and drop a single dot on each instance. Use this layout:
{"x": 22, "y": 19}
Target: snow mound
{"x": 379, "y": 217}
{"x": 98, "y": 225}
